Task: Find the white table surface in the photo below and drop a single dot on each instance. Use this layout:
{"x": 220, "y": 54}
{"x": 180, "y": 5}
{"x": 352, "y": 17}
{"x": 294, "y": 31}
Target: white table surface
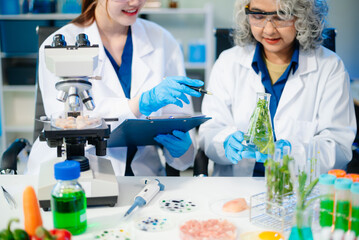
{"x": 201, "y": 190}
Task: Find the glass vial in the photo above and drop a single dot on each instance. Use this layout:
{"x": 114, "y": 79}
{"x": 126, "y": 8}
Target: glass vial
{"x": 355, "y": 208}
{"x": 326, "y": 186}
{"x": 342, "y": 203}
{"x": 68, "y": 200}
{"x": 260, "y": 135}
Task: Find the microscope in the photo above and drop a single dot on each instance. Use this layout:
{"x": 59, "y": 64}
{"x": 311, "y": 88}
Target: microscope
{"x": 74, "y": 66}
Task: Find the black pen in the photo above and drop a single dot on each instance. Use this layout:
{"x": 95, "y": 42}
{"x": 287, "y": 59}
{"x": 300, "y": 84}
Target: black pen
{"x": 200, "y": 89}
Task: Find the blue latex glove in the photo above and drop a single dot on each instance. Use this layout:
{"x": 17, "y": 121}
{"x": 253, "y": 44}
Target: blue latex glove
{"x": 176, "y": 143}
{"x": 283, "y": 143}
{"x": 260, "y": 157}
{"x": 171, "y": 90}
{"x": 234, "y": 148}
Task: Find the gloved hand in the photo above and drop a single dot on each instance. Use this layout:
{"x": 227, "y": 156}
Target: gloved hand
{"x": 283, "y": 143}
{"x": 170, "y": 91}
{"x": 176, "y": 143}
{"x": 260, "y": 157}
{"x": 235, "y": 150}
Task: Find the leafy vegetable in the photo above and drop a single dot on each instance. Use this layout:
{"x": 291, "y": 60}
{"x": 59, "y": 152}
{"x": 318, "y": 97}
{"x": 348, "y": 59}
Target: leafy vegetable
{"x": 17, "y": 234}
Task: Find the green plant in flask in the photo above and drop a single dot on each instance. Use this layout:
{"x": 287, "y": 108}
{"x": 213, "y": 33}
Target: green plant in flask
{"x": 260, "y": 135}
{"x": 278, "y": 182}
{"x": 301, "y": 229}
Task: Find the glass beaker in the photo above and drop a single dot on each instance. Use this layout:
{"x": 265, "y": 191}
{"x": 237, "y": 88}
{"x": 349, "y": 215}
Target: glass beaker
{"x": 260, "y": 135}
{"x": 302, "y": 227}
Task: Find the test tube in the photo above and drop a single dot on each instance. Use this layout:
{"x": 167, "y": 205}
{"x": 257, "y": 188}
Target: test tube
{"x": 326, "y": 185}
{"x": 339, "y": 173}
{"x": 342, "y": 203}
{"x": 355, "y": 208}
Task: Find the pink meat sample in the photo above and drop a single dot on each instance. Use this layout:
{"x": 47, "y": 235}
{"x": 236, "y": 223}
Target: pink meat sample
{"x": 235, "y": 205}
{"x": 212, "y": 229}
{"x": 81, "y": 122}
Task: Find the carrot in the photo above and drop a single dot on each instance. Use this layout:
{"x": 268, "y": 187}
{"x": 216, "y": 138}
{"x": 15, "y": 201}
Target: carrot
{"x": 31, "y": 208}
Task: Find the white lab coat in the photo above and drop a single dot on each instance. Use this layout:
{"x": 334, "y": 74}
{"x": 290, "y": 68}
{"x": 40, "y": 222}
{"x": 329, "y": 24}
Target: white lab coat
{"x": 316, "y": 104}
{"x": 156, "y": 54}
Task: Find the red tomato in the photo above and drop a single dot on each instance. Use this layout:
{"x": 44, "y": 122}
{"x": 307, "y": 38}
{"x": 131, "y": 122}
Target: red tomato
{"x": 61, "y": 234}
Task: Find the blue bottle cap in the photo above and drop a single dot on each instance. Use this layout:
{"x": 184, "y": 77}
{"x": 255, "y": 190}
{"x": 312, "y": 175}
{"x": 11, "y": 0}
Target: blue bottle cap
{"x": 355, "y": 188}
{"x": 343, "y": 183}
{"x": 67, "y": 170}
{"x": 327, "y": 179}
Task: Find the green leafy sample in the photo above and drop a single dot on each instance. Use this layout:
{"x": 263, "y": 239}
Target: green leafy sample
{"x": 260, "y": 128}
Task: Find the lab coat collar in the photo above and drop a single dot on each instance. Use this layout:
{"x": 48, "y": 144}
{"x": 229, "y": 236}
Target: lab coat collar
{"x": 245, "y": 55}
{"x": 295, "y": 83}
{"x": 142, "y": 46}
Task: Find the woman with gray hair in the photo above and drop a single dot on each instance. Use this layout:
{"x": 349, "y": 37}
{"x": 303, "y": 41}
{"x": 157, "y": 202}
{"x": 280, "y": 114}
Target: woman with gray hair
{"x": 278, "y": 51}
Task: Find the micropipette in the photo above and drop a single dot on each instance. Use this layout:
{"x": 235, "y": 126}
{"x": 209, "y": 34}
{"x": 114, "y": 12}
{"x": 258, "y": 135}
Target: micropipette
{"x": 145, "y": 196}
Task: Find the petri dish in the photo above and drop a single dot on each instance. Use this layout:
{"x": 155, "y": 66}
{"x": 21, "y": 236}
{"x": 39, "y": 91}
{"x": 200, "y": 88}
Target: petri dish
{"x": 153, "y": 223}
{"x": 80, "y": 122}
{"x": 178, "y": 205}
{"x": 114, "y": 234}
{"x": 210, "y": 228}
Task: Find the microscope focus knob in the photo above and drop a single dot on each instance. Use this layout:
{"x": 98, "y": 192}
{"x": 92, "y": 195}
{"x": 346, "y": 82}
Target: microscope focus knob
{"x": 58, "y": 41}
{"x": 82, "y": 40}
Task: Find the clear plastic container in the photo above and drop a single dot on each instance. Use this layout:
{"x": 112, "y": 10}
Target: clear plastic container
{"x": 326, "y": 185}
{"x": 68, "y": 200}
{"x": 342, "y": 203}
{"x": 355, "y": 208}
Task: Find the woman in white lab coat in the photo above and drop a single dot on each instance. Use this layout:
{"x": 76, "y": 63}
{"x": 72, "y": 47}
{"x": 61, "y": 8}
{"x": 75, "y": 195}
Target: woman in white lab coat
{"x": 278, "y": 51}
{"x": 155, "y": 55}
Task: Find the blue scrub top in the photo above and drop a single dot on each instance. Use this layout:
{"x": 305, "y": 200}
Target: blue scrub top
{"x": 124, "y": 72}
{"x": 276, "y": 89}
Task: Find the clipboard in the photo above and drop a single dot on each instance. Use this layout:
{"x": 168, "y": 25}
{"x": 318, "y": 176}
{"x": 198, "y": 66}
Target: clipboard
{"x": 140, "y": 132}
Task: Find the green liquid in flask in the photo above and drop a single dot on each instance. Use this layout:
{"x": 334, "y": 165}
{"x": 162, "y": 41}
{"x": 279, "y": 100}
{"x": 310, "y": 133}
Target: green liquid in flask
{"x": 69, "y": 212}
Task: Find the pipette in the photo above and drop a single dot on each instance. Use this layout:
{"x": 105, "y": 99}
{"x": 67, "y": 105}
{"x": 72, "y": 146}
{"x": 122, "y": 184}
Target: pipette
{"x": 145, "y": 196}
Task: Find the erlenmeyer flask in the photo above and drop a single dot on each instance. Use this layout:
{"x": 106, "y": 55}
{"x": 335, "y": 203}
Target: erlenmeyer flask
{"x": 260, "y": 135}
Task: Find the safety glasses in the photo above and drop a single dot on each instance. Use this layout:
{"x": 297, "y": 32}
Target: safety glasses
{"x": 260, "y": 19}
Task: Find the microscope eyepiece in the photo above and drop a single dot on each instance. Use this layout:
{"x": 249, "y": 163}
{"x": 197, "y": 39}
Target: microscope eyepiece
{"x": 58, "y": 41}
{"x": 82, "y": 40}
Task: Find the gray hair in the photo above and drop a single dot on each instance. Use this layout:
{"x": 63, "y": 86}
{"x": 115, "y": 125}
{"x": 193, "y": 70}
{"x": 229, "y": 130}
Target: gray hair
{"x": 310, "y": 21}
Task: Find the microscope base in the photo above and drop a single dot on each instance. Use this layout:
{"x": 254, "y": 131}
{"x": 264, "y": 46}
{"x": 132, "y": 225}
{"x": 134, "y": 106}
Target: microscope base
{"x": 100, "y": 184}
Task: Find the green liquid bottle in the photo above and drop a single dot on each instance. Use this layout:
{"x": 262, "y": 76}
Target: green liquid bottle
{"x": 68, "y": 200}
